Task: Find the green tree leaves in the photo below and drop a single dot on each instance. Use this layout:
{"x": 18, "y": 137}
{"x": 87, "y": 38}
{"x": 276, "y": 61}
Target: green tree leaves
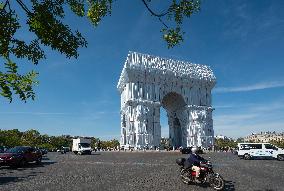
{"x": 8, "y": 27}
{"x": 77, "y": 6}
{"x": 52, "y": 32}
{"x": 49, "y": 30}
{"x": 21, "y": 85}
{"x": 45, "y": 19}
{"x": 32, "y": 52}
{"x": 175, "y": 14}
{"x": 31, "y": 138}
{"x": 225, "y": 143}
{"x": 173, "y": 36}
{"x": 109, "y": 144}
{"x": 12, "y": 138}
{"x": 98, "y": 9}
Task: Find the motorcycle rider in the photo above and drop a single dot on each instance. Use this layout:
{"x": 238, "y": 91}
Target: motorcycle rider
{"x": 193, "y": 161}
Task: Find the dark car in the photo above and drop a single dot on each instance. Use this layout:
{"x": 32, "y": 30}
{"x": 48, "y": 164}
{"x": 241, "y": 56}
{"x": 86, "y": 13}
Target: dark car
{"x": 187, "y": 150}
{"x": 3, "y": 149}
{"x": 43, "y": 151}
{"x": 20, "y": 156}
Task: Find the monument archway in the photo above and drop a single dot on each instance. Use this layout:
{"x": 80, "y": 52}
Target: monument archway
{"x": 174, "y": 103}
{"x": 181, "y": 88}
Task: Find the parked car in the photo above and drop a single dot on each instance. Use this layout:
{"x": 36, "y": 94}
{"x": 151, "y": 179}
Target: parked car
{"x": 20, "y": 156}
{"x": 43, "y": 151}
{"x": 63, "y": 150}
{"x": 1, "y": 149}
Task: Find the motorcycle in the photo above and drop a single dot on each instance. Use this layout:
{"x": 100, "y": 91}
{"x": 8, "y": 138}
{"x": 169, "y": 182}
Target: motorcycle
{"x": 207, "y": 174}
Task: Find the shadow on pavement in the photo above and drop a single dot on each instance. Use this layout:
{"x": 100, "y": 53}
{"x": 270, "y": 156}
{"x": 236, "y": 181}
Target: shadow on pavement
{"x": 27, "y": 166}
{"x": 45, "y": 158}
{"x": 229, "y": 186}
{"x": 5, "y": 180}
{"x": 96, "y": 154}
{"x": 15, "y": 175}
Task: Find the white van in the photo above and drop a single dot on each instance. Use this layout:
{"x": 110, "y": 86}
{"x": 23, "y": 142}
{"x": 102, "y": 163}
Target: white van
{"x": 259, "y": 150}
{"x": 82, "y": 146}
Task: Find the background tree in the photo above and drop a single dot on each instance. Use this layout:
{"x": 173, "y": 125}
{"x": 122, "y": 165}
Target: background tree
{"x": 95, "y": 143}
{"x": 31, "y": 138}
{"x": 224, "y": 144}
{"x": 60, "y": 141}
{"x": 45, "y": 20}
{"x": 108, "y": 144}
{"x": 164, "y": 143}
{"x": 10, "y": 138}
{"x": 240, "y": 140}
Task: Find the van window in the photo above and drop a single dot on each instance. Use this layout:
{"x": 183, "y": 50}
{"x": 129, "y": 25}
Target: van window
{"x": 244, "y": 147}
{"x": 268, "y": 146}
{"x": 255, "y": 146}
{"x": 250, "y": 146}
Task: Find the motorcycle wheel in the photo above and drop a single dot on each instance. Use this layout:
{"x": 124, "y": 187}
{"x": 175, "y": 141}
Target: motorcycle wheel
{"x": 184, "y": 176}
{"x": 247, "y": 157}
{"x": 217, "y": 183}
{"x": 280, "y": 157}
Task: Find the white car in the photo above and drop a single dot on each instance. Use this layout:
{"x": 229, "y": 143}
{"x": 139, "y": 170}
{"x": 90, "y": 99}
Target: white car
{"x": 259, "y": 150}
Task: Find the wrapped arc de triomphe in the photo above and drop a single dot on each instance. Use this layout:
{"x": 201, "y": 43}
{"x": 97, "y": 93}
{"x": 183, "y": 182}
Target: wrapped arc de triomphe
{"x": 183, "y": 89}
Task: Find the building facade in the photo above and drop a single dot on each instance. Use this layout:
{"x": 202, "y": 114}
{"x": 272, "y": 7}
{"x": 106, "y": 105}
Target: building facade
{"x": 264, "y": 137}
{"x": 184, "y": 89}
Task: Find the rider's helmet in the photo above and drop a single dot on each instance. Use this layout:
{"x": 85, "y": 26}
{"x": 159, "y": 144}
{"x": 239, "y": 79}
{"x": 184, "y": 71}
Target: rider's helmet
{"x": 194, "y": 149}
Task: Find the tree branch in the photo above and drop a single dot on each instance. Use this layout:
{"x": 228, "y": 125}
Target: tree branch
{"x": 152, "y": 12}
{"x": 163, "y": 22}
{"x": 7, "y": 1}
{"x": 9, "y": 7}
{"x": 155, "y": 14}
{"x": 24, "y": 7}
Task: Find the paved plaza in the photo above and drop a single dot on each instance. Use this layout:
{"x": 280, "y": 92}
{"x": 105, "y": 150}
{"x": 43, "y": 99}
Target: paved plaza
{"x": 137, "y": 171}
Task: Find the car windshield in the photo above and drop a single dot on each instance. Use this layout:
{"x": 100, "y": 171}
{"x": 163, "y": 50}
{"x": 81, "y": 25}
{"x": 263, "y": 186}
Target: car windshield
{"x": 84, "y": 145}
{"x": 16, "y": 150}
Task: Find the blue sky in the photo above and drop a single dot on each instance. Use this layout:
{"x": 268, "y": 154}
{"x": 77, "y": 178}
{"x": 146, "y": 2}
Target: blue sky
{"x": 242, "y": 41}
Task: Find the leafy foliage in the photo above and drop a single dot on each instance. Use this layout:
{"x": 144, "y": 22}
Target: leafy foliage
{"x": 99, "y": 9}
{"x": 52, "y": 32}
{"x": 109, "y": 144}
{"x": 12, "y": 138}
{"x": 20, "y": 84}
{"x": 223, "y": 144}
{"x": 176, "y": 13}
{"x": 45, "y": 20}
{"x": 98, "y": 144}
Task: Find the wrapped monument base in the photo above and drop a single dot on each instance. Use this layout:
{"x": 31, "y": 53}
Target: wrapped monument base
{"x": 148, "y": 83}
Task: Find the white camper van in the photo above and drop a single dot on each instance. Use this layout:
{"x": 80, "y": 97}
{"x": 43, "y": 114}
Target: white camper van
{"x": 82, "y": 146}
{"x": 259, "y": 150}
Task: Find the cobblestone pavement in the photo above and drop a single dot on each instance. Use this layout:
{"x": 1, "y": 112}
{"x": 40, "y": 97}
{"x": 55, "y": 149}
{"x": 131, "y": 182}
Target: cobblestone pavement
{"x": 137, "y": 171}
